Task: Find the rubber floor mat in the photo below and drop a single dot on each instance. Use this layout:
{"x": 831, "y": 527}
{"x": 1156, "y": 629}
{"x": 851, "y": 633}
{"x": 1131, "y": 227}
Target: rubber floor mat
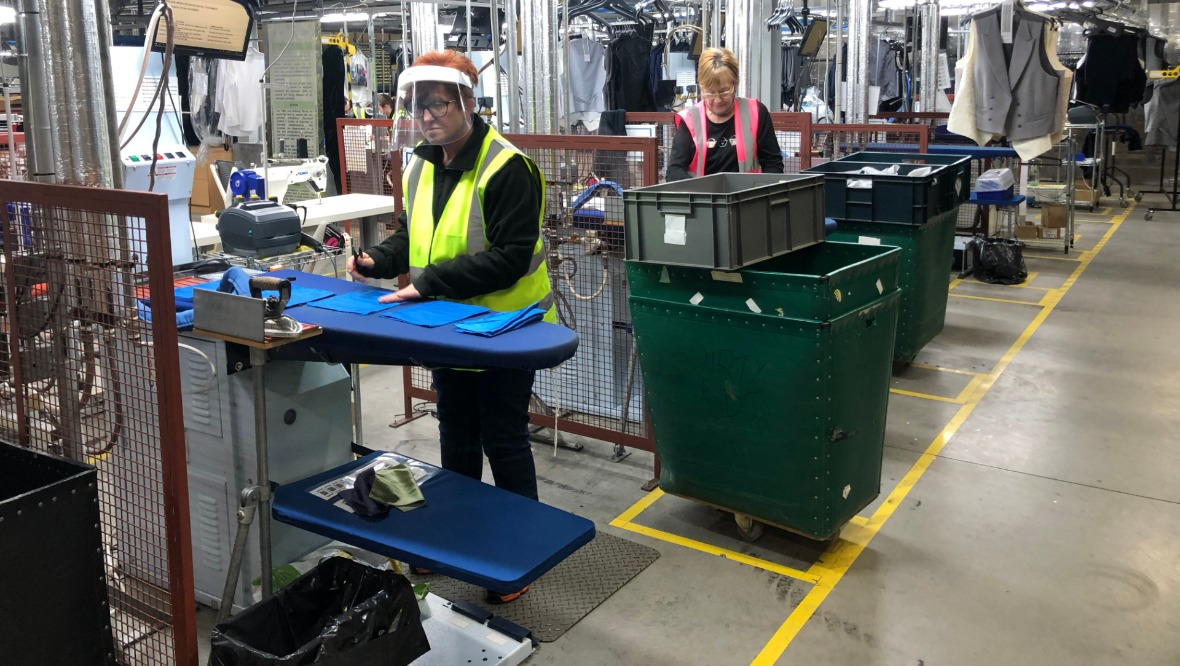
{"x": 567, "y": 593}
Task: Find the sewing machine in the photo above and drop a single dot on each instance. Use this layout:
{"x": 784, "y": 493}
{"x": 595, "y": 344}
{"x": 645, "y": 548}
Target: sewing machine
{"x": 279, "y": 175}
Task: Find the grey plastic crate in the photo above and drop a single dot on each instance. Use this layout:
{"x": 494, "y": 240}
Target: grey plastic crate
{"x": 725, "y": 221}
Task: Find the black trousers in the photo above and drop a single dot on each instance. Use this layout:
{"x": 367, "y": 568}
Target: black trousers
{"x": 487, "y": 413}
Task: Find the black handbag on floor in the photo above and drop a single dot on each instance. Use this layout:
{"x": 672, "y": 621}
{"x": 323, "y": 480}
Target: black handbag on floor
{"x": 999, "y": 260}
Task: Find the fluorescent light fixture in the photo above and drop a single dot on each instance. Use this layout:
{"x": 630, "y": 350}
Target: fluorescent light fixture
{"x": 344, "y": 18}
{"x": 1089, "y": 3}
{"x": 1039, "y": 7}
{"x": 897, "y": 4}
{"x": 7, "y": 15}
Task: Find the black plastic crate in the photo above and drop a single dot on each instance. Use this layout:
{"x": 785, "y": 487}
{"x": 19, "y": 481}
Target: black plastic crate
{"x": 54, "y": 600}
{"x": 898, "y": 199}
{"x": 725, "y": 221}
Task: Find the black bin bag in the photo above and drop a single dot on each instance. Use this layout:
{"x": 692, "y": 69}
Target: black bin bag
{"x": 999, "y": 260}
{"x": 341, "y": 612}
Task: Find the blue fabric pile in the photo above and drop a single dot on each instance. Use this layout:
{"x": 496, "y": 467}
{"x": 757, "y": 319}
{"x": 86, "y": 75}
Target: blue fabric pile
{"x": 501, "y": 322}
{"x": 434, "y": 313}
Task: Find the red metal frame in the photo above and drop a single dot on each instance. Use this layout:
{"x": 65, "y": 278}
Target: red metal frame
{"x": 170, "y": 437}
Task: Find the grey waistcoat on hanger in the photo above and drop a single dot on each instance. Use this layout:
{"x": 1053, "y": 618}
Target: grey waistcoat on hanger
{"x": 1015, "y": 96}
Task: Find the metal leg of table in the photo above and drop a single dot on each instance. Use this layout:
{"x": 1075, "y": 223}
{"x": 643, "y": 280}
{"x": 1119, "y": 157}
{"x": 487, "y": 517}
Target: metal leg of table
{"x": 258, "y": 370}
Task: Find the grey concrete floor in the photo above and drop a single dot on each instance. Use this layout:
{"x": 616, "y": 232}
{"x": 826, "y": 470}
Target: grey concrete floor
{"x": 1029, "y": 497}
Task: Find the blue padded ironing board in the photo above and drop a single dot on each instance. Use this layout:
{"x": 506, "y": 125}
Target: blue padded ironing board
{"x": 354, "y": 338}
{"x": 468, "y": 530}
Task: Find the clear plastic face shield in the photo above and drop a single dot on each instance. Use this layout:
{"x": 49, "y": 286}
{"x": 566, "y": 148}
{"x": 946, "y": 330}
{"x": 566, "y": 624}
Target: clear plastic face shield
{"x": 433, "y": 106}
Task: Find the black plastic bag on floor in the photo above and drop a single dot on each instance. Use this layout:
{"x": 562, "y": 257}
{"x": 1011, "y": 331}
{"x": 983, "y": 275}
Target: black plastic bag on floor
{"x": 999, "y": 260}
{"x": 341, "y": 612}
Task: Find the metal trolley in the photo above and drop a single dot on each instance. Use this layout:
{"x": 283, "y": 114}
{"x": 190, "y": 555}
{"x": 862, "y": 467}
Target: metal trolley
{"x": 1060, "y": 163}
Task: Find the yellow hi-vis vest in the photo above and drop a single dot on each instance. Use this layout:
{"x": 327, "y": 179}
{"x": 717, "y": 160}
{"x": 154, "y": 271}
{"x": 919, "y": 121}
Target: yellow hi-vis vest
{"x": 461, "y": 231}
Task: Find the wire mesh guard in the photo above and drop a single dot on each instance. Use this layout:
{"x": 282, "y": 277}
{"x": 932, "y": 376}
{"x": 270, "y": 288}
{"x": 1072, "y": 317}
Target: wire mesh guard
{"x": 830, "y": 142}
{"x": 83, "y": 377}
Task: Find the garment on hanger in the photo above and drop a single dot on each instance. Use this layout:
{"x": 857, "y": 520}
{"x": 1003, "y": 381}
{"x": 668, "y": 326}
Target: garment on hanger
{"x": 882, "y": 68}
{"x": 239, "y": 94}
{"x": 1161, "y": 113}
{"x": 332, "y": 60}
{"x": 1009, "y": 89}
{"x": 587, "y": 75}
{"x": 629, "y": 74}
{"x": 359, "y": 70}
{"x": 792, "y": 63}
{"x": 1111, "y": 76}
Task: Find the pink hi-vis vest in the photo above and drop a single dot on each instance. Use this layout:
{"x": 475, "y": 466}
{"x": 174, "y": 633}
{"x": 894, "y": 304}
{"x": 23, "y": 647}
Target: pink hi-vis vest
{"x": 745, "y": 124}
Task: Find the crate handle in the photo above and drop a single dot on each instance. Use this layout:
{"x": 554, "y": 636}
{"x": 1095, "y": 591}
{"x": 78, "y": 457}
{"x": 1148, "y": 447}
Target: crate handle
{"x": 780, "y": 201}
{"x": 675, "y": 208}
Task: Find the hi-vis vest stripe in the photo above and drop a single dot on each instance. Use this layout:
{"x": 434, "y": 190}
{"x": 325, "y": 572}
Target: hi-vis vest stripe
{"x": 746, "y": 127}
{"x": 460, "y": 229}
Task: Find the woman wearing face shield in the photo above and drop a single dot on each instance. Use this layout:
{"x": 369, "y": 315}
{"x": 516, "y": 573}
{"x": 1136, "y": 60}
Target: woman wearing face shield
{"x": 723, "y": 132}
{"x": 472, "y": 234}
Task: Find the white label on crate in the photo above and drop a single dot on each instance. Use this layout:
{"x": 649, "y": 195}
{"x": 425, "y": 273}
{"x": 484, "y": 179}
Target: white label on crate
{"x": 497, "y": 638}
{"x": 869, "y": 240}
{"x": 696, "y": 298}
{"x": 722, "y": 276}
{"x": 459, "y": 622}
{"x": 674, "y": 233}
{"x": 847, "y": 491}
{"x": 664, "y": 277}
{"x": 753, "y": 306}
{"x": 880, "y": 287}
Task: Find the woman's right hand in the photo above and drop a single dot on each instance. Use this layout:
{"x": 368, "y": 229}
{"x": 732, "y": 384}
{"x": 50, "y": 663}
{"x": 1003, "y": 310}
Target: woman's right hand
{"x": 361, "y": 260}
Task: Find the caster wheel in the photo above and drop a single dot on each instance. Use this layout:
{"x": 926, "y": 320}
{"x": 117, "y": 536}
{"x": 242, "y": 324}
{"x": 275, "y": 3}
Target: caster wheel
{"x": 1138, "y": 197}
{"x": 1123, "y": 203}
{"x": 1148, "y": 216}
{"x": 748, "y": 528}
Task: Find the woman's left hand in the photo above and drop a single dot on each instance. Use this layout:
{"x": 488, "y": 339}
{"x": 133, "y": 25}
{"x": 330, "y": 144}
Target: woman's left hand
{"x": 410, "y": 293}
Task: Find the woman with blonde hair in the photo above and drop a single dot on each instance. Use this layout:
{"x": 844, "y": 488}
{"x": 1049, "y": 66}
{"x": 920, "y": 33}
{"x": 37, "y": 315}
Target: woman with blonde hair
{"x": 723, "y": 132}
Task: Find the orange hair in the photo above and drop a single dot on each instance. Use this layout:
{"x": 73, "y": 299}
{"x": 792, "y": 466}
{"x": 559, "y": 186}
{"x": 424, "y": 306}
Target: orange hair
{"x": 452, "y": 59}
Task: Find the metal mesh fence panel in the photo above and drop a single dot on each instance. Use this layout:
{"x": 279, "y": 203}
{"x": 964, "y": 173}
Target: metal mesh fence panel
{"x": 794, "y": 139}
{"x": 830, "y": 142}
{"x": 83, "y": 376}
{"x": 790, "y": 129}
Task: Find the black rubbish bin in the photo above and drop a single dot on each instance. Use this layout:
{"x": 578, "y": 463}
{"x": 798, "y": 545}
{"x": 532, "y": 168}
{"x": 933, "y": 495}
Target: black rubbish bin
{"x": 341, "y": 612}
{"x": 53, "y": 591}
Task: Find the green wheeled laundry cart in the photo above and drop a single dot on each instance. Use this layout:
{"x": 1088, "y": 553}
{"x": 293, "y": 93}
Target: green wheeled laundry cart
{"x": 768, "y": 386}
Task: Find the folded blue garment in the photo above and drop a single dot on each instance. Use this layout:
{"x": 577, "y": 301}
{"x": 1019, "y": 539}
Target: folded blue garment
{"x": 184, "y": 318}
{"x": 361, "y": 301}
{"x": 434, "y": 313}
{"x": 500, "y": 322}
{"x": 237, "y": 281}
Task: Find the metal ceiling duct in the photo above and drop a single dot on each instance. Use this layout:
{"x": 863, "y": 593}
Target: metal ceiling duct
{"x": 538, "y": 28}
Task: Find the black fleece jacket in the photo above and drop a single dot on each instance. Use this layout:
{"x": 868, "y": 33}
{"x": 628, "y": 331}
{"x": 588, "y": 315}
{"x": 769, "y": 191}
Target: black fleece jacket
{"x": 512, "y": 208}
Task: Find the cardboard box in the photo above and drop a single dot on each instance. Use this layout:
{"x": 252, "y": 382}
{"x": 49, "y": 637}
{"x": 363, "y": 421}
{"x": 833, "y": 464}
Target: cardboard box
{"x": 206, "y": 198}
{"x": 1027, "y": 231}
{"x": 1056, "y": 233}
{"x": 1054, "y": 216}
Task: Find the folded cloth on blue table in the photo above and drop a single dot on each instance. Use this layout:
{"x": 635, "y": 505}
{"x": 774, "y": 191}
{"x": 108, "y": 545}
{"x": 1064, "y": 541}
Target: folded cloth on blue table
{"x": 361, "y": 301}
{"x": 236, "y": 280}
{"x": 396, "y": 487}
{"x": 184, "y": 318}
{"x": 501, "y": 322}
{"x": 357, "y": 497}
{"x": 434, "y": 313}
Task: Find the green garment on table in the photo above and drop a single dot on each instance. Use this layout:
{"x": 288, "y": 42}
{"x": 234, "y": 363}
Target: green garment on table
{"x": 396, "y": 487}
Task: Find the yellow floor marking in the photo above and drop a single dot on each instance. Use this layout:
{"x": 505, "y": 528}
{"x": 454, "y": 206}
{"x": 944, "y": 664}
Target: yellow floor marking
{"x": 925, "y": 366}
{"x": 805, "y": 576}
{"x": 925, "y": 396}
{"x": 996, "y": 300}
{"x": 969, "y": 388}
{"x": 1058, "y": 256}
{"x": 855, "y": 538}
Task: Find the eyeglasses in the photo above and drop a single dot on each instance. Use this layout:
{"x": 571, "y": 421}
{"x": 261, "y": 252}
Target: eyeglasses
{"x": 436, "y": 109}
{"x": 724, "y": 94}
